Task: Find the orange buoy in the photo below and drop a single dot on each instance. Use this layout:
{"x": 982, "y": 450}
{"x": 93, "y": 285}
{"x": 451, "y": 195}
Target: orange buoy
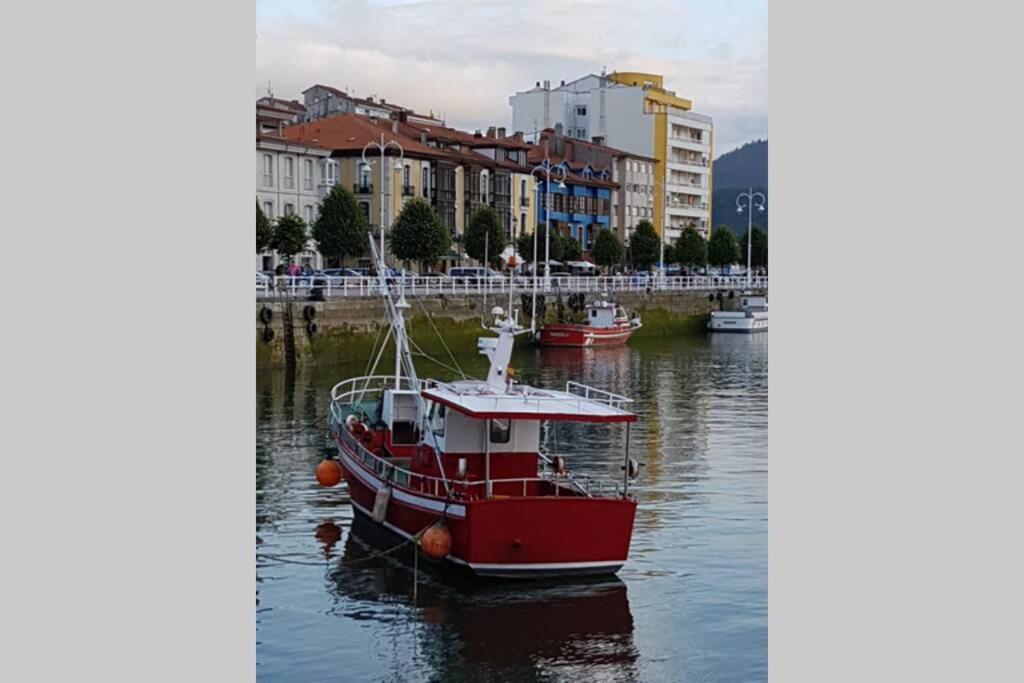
{"x": 328, "y": 473}
{"x": 436, "y": 541}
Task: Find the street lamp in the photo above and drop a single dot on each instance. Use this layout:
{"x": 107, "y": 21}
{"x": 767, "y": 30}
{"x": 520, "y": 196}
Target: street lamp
{"x": 750, "y": 196}
{"x": 664, "y": 220}
{"x": 382, "y": 146}
{"x": 546, "y": 168}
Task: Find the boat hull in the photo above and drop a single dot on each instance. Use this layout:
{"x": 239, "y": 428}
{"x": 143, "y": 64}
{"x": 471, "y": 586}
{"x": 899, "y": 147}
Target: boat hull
{"x": 513, "y": 537}
{"x": 738, "y": 322}
{"x": 584, "y": 335}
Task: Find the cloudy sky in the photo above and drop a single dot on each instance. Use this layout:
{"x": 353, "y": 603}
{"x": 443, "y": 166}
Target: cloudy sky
{"x": 466, "y": 57}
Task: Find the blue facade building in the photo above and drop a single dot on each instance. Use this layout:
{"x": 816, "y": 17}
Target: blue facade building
{"x": 581, "y": 204}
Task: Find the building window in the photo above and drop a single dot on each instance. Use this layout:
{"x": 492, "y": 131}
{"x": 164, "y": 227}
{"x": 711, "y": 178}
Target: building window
{"x": 365, "y": 206}
{"x": 364, "y": 175}
{"x": 309, "y": 214}
{"x": 426, "y": 182}
{"x": 289, "y": 173}
{"x": 501, "y": 430}
{"x": 522, "y": 223}
{"x": 407, "y": 176}
{"x": 289, "y": 209}
{"x": 268, "y": 210}
{"x": 268, "y": 170}
{"x": 581, "y": 111}
{"x": 307, "y": 180}
{"x": 483, "y": 187}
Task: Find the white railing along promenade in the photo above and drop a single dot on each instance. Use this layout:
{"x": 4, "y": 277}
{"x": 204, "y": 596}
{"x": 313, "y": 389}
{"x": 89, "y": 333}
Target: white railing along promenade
{"x": 340, "y": 287}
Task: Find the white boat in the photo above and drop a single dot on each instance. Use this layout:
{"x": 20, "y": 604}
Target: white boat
{"x": 751, "y": 317}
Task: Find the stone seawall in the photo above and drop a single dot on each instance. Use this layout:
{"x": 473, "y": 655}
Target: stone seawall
{"x": 345, "y": 329}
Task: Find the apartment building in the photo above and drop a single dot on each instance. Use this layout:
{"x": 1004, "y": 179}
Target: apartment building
{"x": 291, "y": 178}
{"x": 634, "y": 174}
{"x": 322, "y": 101}
{"x": 633, "y": 112}
{"x": 455, "y": 171}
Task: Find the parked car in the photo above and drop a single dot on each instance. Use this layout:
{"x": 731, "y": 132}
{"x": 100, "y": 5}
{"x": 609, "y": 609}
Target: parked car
{"x": 436, "y": 274}
{"x": 474, "y": 275}
{"x": 262, "y": 279}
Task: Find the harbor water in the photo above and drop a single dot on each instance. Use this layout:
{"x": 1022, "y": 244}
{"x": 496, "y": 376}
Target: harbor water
{"x": 691, "y": 603}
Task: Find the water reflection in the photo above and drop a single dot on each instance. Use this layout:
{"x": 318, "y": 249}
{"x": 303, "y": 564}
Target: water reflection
{"x": 690, "y": 604}
{"x": 490, "y": 630}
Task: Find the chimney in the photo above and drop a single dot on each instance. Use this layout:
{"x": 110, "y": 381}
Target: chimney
{"x": 518, "y": 136}
{"x": 558, "y": 129}
{"x": 501, "y": 131}
{"x": 477, "y": 134}
{"x": 563, "y": 84}
{"x": 394, "y": 126}
{"x": 598, "y": 140}
{"x": 490, "y": 132}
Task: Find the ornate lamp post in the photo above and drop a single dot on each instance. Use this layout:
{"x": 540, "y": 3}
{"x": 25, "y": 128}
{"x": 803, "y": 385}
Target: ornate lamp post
{"x": 546, "y": 168}
{"x": 382, "y": 146}
{"x": 750, "y": 196}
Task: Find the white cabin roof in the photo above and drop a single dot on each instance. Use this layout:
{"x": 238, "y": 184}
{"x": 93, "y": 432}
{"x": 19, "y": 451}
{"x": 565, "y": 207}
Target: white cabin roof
{"x": 579, "y": 403}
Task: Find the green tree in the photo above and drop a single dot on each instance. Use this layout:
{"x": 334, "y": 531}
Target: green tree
{"x": 644, "y": 246}
{"x": 524, "y": 243}
{"x": 419, "y": 234}
{"x": 484, "y": 233}
{"x": 723, "y": 249}
{"x": 691, "y": 250}
{"x": 290, "y": 236}
{"x": 758, "y": 249}
{"x": 264, "y": 230}
{"x": 340, "y": 230}
{"x": 607, "y": 250}
{"x": 571, "y": 249}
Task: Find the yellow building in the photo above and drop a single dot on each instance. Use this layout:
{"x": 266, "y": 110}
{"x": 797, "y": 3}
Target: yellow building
{"x": 633, "y": 111}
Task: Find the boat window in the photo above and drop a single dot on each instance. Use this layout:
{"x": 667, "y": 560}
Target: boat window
{"x": 437, "y": 424}
{"x": 593, "y": 313}
{"x": 500, "y": 431}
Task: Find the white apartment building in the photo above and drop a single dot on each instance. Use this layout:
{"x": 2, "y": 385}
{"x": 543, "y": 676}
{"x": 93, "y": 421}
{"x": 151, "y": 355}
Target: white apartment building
{"x": 633, "y": 112}
{"x": 291, "y": 178}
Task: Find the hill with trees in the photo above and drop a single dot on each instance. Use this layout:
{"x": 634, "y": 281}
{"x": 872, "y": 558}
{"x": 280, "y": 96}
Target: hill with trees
{"x": 734, "y": 172}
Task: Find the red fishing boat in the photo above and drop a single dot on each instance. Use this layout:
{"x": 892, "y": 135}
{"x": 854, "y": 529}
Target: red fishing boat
{"x": 606, "y": 324}
{"x": 458, "y": 466}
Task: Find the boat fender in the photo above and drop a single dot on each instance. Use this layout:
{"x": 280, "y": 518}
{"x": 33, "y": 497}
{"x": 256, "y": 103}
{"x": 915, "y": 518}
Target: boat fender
{"x": 328, "y": 473}
{"x": 268, "y": 335}
{"x": 436, "y": 541}
{"x": 266, "y": 315}
{"x": 380, "y": 504}
{"x": 367, "y": 438}
{"x": 581, "y": 300}
{"x": 349, "y": 421}
{"x": 634, "y": 468}
{"x": 558, "y": 463}
{"x": 525, "y": 301}
{"x": 309, "y": 312}
{"x": 311, "y": 328}
{"x": 357, "y": 429}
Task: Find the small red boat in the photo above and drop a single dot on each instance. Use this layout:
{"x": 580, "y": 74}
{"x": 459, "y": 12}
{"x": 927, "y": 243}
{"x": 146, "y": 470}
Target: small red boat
{"x": 458, "y": 467}
{"x": 606, "y": 325}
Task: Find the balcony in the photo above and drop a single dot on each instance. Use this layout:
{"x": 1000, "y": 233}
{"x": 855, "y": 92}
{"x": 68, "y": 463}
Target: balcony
{"x": 361, "y": 188}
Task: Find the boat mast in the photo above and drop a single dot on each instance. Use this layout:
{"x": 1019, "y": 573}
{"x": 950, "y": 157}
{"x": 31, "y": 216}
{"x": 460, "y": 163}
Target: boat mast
{"x": 403, "y": 354}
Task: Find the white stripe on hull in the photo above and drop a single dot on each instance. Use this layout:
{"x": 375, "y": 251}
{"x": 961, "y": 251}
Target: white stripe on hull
{"x": 426, "y": 504}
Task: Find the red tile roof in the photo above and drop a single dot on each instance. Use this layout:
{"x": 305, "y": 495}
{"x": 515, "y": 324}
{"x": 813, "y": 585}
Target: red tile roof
{"x": 349, "y": 133}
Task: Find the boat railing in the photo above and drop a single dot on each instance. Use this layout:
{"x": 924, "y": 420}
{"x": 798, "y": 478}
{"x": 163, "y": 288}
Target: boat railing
{"x": 428, "y": 484}
{"x": 373, "y": 384}
{"x": 590, "y": 393}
